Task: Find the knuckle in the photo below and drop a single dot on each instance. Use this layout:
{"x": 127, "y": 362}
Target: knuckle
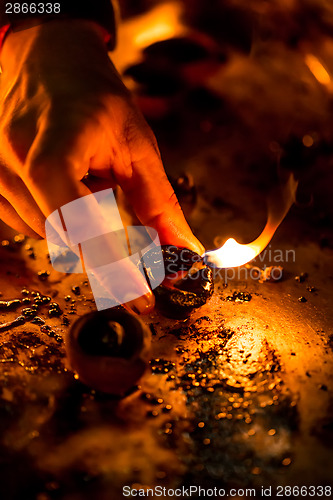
{"x": 38, "y": 169}
{"x": 18, "y": 132}
{"x": 35, "y": 170}
{"x": 12, "y": 128}
{"x": 173, "y": 201}
{"x": 138, "y": 135}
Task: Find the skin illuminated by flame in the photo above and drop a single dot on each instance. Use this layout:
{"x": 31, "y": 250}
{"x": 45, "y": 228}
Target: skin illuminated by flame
{"x": 233, "y": 254}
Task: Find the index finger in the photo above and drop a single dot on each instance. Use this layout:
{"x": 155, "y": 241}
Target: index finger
{"x": 154, "y": 201}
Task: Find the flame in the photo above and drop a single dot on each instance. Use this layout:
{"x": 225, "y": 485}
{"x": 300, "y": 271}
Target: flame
{"x": 234, "y": 254}
{"x": 317, "y": 69}
{"x": 231, "y": 254}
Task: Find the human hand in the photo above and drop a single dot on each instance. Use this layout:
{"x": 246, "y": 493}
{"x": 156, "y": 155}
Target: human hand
{"x": 65, "y": 112}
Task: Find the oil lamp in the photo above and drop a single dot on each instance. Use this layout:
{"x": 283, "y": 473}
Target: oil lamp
{"x": 108, "y": 349}
{"x": 188, "y": 283}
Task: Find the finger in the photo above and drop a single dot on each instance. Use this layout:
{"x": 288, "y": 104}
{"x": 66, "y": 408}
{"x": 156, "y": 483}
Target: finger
{"x": 17, "y": 195}
{"x": 104, "y": 157}
{"x": 95, "y": 184}
{"x": 9, "y": 215}
{"x": 146, "y": 185}
{"x": 52, "y": 179}
{"x": 57, "y": 160}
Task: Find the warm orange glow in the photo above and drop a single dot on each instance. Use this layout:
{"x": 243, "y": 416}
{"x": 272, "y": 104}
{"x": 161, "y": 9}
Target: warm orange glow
{"x": 160, "y": 23}
{"x": 308, "y": 141}
{"x": 317, "y": 69}
{"x": 233, "y": 254}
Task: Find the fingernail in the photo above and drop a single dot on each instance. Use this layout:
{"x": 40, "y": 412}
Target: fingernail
{"x": 196, "y": 246}
{"x": 201, "y": 249}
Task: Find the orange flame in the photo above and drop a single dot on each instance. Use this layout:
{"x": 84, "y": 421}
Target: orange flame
{"x": 233, "y": 254}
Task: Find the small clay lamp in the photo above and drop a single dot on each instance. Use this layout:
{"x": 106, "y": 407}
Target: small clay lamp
{"x": 108, "y": 350}
{"x": 188, "y": 282}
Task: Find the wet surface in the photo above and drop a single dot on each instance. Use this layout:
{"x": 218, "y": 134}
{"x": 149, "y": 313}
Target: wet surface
{"x": 238, "y": 394}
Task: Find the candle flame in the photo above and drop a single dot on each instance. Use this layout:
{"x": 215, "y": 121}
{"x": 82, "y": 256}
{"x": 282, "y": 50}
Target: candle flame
{"x": 231, "y": 254}
{"x": 234, "y": 254}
